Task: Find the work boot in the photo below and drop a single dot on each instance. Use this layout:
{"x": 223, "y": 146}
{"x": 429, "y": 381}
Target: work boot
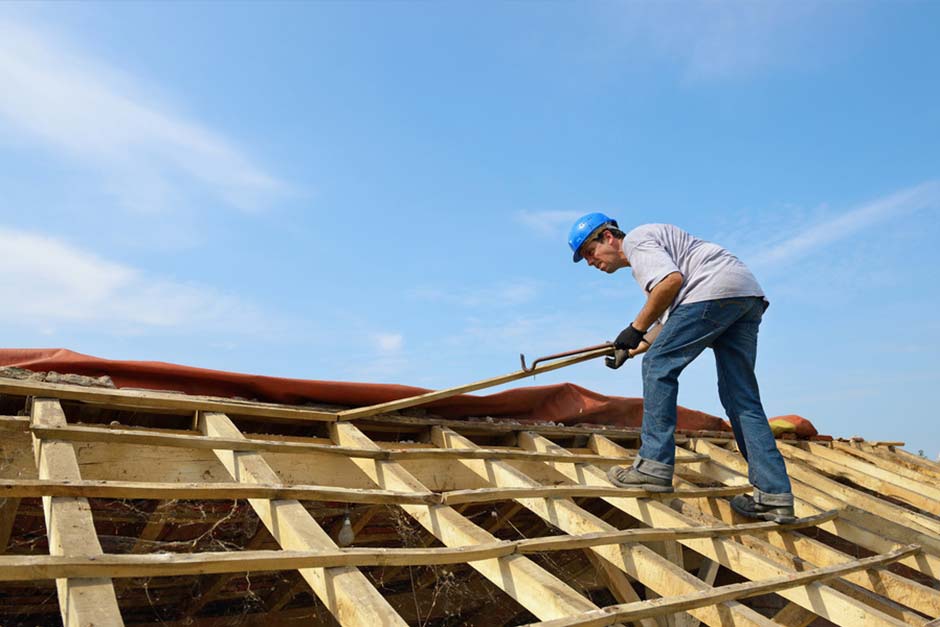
{"x": 630, "y": 477}
{"x": 745, "y": 505}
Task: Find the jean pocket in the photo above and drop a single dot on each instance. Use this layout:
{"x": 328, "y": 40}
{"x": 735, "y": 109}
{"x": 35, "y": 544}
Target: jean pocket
{"x": 724, "y": 312}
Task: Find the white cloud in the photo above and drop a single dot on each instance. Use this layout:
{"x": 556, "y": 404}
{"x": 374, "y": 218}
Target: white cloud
{"x": 721, "y": 40}
{"x": 390, "y": 342}
{"x": 52, "y": 284}
{"x": 923, "y": 196}
{"x": 548, "y": 223}
{"x": 144, "y": 154}
{"x": 504, "y": 294}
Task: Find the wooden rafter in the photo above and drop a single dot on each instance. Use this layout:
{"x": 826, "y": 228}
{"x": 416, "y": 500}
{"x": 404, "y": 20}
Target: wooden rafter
{"x": 835, "y": 463}
{"x": 816, "y": 597}
{"x": 878, "y": 532}
{"x": 661, "y": 607}
{"x": 8, "y": 509}
{"x": 71, "y": 530}
{"x": 346, "y": 592}
{"x": 795, "y": 550}
{"x": 638, "y": 561}
{"x": 541, "y": 593}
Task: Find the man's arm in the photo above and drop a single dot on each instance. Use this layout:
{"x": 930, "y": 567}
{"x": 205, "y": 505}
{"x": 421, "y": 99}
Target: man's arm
{"x": 648, "y": 340}
{"x": 658, "y": 301}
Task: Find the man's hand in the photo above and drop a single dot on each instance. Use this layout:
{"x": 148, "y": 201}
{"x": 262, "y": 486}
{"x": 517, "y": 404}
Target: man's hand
{"x": 617, "y": 360}
{"x": 628, "y": 339}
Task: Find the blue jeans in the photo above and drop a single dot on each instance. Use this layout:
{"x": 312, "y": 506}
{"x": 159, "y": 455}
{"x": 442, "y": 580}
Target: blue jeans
{"x": 729, "y": 326}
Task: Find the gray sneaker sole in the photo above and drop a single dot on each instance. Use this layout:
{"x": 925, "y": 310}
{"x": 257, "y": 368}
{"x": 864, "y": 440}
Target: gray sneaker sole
{"x": 649, "y": 487}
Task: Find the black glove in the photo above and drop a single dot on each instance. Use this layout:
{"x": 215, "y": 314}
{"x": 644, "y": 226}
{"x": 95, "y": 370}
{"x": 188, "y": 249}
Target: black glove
{"x": 617, "y": 360}
{"x": 628, "y": 339}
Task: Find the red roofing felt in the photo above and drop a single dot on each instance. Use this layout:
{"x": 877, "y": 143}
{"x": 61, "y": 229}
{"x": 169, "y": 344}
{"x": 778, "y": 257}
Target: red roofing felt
{"x": 565, "y": 402}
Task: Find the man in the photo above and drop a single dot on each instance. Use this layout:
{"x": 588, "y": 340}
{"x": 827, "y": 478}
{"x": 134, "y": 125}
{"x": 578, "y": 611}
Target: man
{"x": 701, "y": 296}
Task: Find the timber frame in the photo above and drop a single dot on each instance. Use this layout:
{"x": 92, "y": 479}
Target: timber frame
{"x": 135, "y": 507}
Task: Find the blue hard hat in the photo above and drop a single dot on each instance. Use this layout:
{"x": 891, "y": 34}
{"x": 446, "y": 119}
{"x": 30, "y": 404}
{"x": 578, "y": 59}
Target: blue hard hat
{"x": 582, "y": 229}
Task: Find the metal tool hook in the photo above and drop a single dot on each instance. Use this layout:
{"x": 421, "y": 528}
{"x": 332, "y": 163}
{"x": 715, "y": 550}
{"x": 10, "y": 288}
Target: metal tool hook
{"x": 578, "y": 351}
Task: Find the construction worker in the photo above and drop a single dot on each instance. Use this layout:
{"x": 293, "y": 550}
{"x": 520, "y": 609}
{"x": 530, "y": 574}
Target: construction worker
{"x": 698, "y": 296}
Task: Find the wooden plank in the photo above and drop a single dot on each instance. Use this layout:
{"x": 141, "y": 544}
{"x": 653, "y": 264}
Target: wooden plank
{"x": 156, "y": 523}
{"x": 892, "y": 586}
{"x": 664, "y": 606}
{"x": 618, "y": 584}
{"x": 14, "y": 423}
{"x": 540, "y": 592}
{"x": 888, "y": 462}
{"x": 792, "y": 615}
{"x": 126, "y": 436}
{"x": 832, "y": 462}
{"x": 821, "y": 599}
{"x": 810, "y": 474}
{"x": 8, "y": 508}
{"x": 875, "y": 533}
{"x": 149, "y": 399}
{"x": 482, "y": 495}
{"x": 638, "y": 561}
{"x": 33, "y": 567}
{"x": 229, "y": 490}
{"x": 70, "y": 528}
{"x": 423, "y": 399}
{"x": 344, "y": 590}
{"x": 886, "y": 591}
{"x": 211, "y": 491}
{"x": 708, "y": 572}
{"x": 923, "y": 462}
{"x": 395, "y": 423}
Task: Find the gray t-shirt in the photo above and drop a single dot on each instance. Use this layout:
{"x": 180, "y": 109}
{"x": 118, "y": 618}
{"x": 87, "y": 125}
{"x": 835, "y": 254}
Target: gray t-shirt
{"x": 708, "y": 271}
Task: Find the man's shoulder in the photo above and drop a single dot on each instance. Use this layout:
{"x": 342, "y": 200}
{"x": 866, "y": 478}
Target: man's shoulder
{"x": 644, "y": 232}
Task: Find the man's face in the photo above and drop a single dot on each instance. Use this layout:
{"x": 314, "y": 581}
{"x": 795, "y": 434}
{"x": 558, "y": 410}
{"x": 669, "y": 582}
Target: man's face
{"x": 603, "y": 253}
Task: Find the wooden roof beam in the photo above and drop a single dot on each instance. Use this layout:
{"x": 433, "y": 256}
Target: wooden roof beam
{"x": 70, "y": 527}
{"x": 533, "y": 587}
{"x": 792, "y": 549}
{"x": 818, "y": 598}
{"x": 665, "y": 606}
{"x": 636, "y": 560}
{"x": 876, "y": 531}
{"x": 838, "y": 464}
{"x": 348, "y": 594}
{"x": 152, "y": 399}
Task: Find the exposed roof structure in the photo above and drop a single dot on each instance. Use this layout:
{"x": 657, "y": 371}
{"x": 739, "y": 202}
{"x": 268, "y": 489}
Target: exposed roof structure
{"x": 138, "y": 507}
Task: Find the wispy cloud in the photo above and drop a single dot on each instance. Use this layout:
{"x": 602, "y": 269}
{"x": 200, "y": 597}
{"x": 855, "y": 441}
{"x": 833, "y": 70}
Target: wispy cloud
{"x": 57, "y": 284}
{"x": 143, "y": 153}
{"x": 723, "y": 40}
{"x": 923, "y": 196}
{"x": 389, "y": 342}
{"x": 504, "y": 294}
{"x": 548, "y": 223}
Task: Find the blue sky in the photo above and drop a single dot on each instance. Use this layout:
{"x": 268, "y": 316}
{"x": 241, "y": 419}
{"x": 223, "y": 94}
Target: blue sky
{"x": 381, "y": 191}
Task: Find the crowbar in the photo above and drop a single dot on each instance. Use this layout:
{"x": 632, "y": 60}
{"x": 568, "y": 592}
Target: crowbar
{"x": 578, "y": 351}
